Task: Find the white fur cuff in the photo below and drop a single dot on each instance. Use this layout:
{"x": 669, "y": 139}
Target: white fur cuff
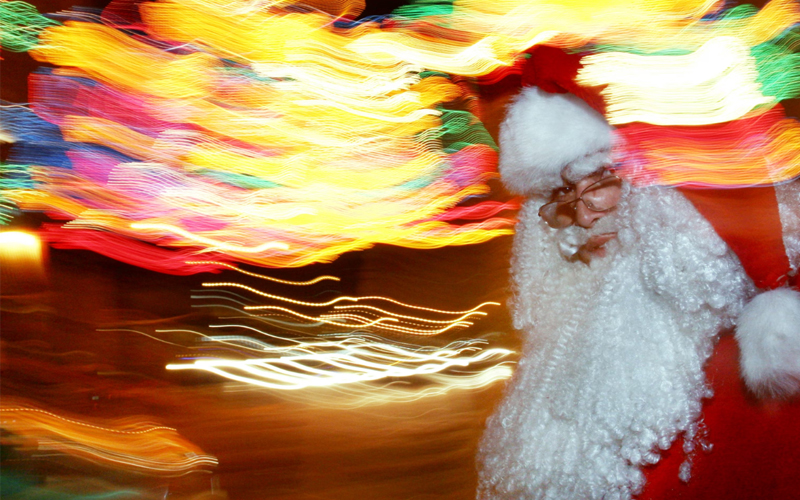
{"x": 768, "y": 332}
{"x": 543, "y": 133}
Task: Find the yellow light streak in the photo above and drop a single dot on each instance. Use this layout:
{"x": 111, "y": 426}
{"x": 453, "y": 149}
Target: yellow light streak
{"x": 135, "y": 446}
{"x": 419, "y": 331}
{"x": 269, "y": 278}
{"x": 465, "y": 316}
{"x": 147, "y": 427}
{"x": 416, "y": 323}
{"x": 271, "y": 245}
{"x": 358, "y": 395}
{"x": 339, "y": 299}
{"x": 322, "y": 319}
{"x": 110, "y": 56}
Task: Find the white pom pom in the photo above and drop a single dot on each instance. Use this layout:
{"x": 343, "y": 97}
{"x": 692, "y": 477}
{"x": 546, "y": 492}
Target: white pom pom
{"x": 768, "y": 332}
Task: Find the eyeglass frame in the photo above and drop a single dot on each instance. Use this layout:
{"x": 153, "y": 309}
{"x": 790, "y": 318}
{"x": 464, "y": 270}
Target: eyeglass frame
{"x": 574, "y": 202}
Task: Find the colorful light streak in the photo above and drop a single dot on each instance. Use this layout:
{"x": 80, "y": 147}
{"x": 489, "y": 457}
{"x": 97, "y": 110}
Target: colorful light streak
{"x": 281, "y": 148}
{"x": 715, "y": 84}
{"x": 759, "y": 149}
{"x": 20, "y": 25}
{"x": 124, "y": 444}
{"x": 284, "y": 138}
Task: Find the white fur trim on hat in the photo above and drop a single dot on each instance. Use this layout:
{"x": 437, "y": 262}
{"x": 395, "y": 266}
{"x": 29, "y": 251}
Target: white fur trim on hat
{"x": 768, "y": 332}
{"x": 543, "y": 133}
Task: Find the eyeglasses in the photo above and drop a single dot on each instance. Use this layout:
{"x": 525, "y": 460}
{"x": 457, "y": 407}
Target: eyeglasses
{"x": 560, "y": 212}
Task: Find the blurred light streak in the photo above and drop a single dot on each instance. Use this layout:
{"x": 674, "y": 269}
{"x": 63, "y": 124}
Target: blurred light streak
{"x": 353, "y": 360}
{"x": 122, "y": 444}
{"x": 481, "y": 211}
{"x": 230, "y": 124}
{"x": 127, "y": 250}
{"x": 745, "y": 22}
{"x": 339, "y": 299}
{"x": 269, "y": 278}
{"x": 717, "y": 83}
{"x": 280, "y": 134}
{"x": 759, "y": 149}
{"x": 340, "y": 315}
{"x": 20, "y": 25}
{"x": 214, "y": 245}
{"x": 339, "y": 350}
{"x": 779, "y": 65}
{"x": 359, "y": 395}
{"x": 372, "y": 308}
{"x": 324, "y": 319}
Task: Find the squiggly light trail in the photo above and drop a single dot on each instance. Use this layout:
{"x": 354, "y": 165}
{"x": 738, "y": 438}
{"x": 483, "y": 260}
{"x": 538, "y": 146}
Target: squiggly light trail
{"x": 332, "y": 363}
{"x": 339, "y": 299}
{"x": 20, "y": 24}
{"x": 124, "y": 444}
{"x": 342, "y": 348}
{"x": 362, "y": 316}
{"x": 264, "y": 277}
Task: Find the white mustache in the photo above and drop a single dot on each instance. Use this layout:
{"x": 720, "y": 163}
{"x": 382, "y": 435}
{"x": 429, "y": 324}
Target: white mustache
{"x": 570, "y": 239}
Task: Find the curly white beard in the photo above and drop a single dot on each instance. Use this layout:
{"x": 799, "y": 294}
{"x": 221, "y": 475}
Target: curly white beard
{"x": 611, "y": 369}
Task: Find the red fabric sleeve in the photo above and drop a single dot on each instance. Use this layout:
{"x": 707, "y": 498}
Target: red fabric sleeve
{"x": 756, "y": 444}
{"x": 749, "y": 221}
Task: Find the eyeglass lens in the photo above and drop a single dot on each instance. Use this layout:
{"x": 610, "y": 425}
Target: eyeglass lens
{"x": 597, "y": 198}
{"x": 559, "y": 213}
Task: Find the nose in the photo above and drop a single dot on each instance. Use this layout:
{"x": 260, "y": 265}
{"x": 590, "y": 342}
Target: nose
{"x": 585, "y": 217}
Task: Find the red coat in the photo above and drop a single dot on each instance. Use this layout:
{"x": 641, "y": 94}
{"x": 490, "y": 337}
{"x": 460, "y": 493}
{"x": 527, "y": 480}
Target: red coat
{"x": 756, "y": 444}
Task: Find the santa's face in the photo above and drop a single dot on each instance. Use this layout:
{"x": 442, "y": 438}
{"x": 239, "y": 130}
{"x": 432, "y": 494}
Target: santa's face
{"x": 583, "y": 203}
{"x": 578, "y": 207}
{"x": 597, "y": 196}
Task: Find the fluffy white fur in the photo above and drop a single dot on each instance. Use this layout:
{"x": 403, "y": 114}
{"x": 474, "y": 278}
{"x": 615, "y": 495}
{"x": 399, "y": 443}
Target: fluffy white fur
{"x": 768, "y": 332}
{"x": 611, "y": 371}
{"x": 769, "y": 329}
{"x": 543, "y": 133}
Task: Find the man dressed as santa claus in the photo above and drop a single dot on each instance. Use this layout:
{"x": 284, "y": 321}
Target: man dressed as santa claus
{"x": 620, "y": 293}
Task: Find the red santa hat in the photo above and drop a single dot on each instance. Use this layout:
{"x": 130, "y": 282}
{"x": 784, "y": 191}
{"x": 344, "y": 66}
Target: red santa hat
{"x": 554, "y": 130}
{"x": 550, "y": 133}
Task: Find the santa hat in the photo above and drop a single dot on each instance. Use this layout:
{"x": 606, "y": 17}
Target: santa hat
{"x": 549, "y": 133}
{"x": 554, "y": 130}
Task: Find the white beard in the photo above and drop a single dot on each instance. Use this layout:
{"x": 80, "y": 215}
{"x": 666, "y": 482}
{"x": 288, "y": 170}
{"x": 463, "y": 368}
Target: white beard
{"x": 611, "y": 369}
